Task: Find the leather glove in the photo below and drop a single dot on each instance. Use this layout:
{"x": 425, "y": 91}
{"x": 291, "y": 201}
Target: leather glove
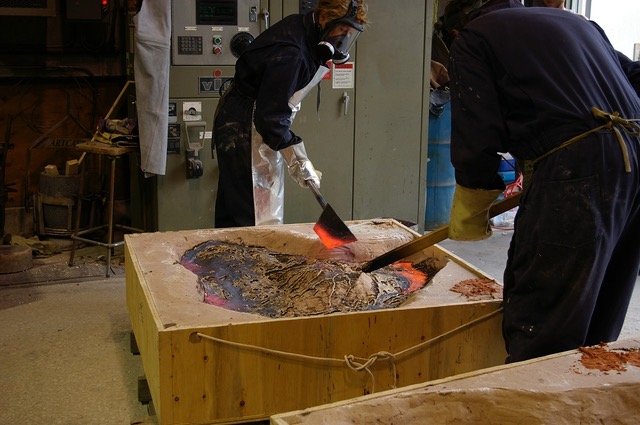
{"x": 469, "y": 220}
{"x": 300, "y": 168}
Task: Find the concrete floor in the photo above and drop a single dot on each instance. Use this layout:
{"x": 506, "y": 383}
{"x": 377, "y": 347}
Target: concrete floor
{"x": 490, "y": 256}
{"x": 66, "y": 355}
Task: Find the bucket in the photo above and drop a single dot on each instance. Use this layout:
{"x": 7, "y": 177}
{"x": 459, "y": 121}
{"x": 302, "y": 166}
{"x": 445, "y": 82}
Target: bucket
{"x": 441, "y": 182}
{"x": 56, "y": 205}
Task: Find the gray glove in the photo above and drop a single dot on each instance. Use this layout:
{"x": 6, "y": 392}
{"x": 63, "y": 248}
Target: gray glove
{"x": 300, "y": 168}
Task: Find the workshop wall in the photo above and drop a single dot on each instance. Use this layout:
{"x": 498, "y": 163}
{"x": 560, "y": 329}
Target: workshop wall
{"x": 42, "y": 119}
{"x": 58, "y": 76}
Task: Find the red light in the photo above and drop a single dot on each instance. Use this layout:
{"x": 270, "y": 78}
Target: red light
{"x": 105, "y": 3}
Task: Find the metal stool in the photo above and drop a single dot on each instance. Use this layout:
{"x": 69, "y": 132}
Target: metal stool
{"x": 113, "y": 153}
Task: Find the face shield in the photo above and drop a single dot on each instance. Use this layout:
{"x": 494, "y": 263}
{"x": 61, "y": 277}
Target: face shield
{"x": 339, "y": 36}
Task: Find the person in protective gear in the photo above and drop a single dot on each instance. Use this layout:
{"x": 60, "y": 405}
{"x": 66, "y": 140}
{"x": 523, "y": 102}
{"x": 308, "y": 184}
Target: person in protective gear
{"x": 546, "y": 85}
{"x": 252, "y": 124}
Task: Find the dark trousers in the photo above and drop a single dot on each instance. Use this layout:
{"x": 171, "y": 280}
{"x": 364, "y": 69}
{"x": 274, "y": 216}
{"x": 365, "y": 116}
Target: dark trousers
{"x": 232, "y": 136}
{"x": 575, "y": 252}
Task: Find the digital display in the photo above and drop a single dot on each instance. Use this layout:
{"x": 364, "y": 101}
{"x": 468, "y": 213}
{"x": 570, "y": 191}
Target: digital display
{"x": 217, "y": 12}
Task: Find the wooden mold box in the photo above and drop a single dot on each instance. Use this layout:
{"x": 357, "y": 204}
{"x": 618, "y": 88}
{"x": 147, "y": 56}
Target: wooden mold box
{"x": 257, "y": 366}
{"x": 560, "y": 389}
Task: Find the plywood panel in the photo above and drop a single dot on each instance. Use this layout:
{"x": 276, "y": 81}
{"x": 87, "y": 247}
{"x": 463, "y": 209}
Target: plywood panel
{"x": 145, "y": 325}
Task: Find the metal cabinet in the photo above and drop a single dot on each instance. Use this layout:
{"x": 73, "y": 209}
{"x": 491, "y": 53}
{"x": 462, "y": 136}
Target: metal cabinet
{"x": 367, "y": 135}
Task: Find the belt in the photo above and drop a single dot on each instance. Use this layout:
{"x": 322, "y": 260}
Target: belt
{"x": 612, "y": 121}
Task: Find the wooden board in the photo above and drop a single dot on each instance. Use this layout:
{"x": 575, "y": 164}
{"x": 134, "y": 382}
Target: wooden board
{"x": 197, "y": 380}
{"x": 557, "y": 389}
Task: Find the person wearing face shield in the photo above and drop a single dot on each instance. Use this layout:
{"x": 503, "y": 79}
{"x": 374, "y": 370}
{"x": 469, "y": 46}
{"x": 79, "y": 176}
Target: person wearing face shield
{"x": 252, "y": 124}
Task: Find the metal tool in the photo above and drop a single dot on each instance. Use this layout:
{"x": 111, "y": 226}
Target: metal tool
{"x": 432, "y": 238}
{"x": 333, "y": 232}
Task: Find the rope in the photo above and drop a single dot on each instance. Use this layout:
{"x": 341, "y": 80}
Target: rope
{"x": 511, "y": 190}
{"x": 357, "y": 364}
{"x": 613, "y": 121}
{"x": 514, "y": 187}
{"x": 446, "y": 334}
{"x": 358, "y": 367}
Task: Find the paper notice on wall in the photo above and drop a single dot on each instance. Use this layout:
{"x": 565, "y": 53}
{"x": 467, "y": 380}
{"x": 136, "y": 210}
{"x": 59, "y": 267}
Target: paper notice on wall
{"x": 344, "y": 75}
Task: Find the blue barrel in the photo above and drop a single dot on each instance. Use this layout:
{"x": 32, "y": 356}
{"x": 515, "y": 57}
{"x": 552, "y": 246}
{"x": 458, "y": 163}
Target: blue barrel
{"x": 507, "y": 169}
{"x": 441, "y": 181}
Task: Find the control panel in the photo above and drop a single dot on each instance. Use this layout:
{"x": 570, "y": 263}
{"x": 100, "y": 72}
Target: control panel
{"x": 212, "y": 32}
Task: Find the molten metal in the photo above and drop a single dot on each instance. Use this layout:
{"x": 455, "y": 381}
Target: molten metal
{"x": 416, "y": 278}
{"x": 258, "y": 280}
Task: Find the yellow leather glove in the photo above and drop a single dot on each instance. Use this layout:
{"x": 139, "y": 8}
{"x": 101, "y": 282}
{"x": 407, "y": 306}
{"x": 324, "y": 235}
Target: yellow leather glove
{"x": 469, "y": 220}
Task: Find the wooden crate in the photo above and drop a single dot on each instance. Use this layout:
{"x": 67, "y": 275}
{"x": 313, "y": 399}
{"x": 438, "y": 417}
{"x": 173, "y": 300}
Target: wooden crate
{"x": 195, "y": 380}
{"x": 557, "y": 389}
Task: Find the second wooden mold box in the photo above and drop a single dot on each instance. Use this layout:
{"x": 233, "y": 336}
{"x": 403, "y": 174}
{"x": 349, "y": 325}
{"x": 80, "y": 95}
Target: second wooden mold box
{"x": 591, "y": 385}
{"x": 207, "y": 364}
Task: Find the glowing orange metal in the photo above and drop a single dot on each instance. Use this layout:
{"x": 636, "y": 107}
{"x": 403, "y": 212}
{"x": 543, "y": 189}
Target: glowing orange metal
{"x": 333, "y": 232}
{"x": 416, "y": 278}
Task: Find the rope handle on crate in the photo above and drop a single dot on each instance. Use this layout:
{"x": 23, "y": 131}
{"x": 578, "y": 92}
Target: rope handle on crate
{"x": 357, "y": 364}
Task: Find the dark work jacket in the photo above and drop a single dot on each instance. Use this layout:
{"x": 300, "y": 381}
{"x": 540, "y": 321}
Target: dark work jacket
{"x": 524, "y": 80}
{"x": 279, "y": 62}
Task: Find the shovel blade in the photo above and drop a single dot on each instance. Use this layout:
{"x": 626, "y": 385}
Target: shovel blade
{"x": 331, "y": 230}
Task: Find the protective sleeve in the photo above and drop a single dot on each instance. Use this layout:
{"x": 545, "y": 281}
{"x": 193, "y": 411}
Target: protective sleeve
{"x": 280, "y": 80}
{"x": 477, "y": 128}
